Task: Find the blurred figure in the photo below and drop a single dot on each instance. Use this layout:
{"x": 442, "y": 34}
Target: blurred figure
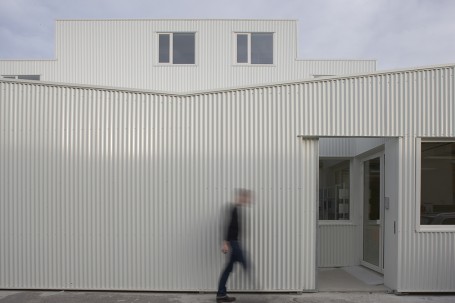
{"x": 231, "y": 243}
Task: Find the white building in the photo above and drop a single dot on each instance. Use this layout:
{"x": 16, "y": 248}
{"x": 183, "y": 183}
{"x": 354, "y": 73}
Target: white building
{"x": 114, "y": 166}
{"x": 196, "y": 55}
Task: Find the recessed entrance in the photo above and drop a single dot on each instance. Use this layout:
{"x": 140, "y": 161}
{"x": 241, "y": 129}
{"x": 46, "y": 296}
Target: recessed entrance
{"x": 352, "y": 214}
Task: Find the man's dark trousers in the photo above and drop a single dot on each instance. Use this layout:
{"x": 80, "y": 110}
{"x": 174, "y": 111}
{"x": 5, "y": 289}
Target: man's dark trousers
{"x": 236, "y": 256}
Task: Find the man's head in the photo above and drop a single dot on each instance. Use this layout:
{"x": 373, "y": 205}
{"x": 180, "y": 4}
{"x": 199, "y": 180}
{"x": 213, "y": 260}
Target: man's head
{"x": 243, "y": 196}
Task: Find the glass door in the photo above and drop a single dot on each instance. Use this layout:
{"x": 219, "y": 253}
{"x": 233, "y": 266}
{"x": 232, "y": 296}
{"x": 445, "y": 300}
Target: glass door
{"x": 373, "y": 189}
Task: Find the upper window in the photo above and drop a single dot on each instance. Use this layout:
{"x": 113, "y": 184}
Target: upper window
{"x": 437, "y": 183}
{"x": 176, "y": 48}
{"x": 254, "y": 48}
{"x": 22, "y": 77}
{"x": 334, "y": 189}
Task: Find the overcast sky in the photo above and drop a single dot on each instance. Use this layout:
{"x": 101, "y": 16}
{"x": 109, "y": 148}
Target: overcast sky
{"x": 397, "y": 33}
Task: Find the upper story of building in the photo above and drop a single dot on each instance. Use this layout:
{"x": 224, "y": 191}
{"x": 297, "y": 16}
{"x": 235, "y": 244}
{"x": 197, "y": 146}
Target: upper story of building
{"x": 178, "y": 55}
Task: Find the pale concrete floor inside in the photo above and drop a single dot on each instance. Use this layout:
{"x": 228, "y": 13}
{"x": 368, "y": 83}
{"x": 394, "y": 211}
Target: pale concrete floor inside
{"x": 350, "y": 279}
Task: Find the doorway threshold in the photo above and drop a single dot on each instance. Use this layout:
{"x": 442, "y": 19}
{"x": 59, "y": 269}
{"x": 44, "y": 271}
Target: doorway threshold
{"x": 350, "y": 279}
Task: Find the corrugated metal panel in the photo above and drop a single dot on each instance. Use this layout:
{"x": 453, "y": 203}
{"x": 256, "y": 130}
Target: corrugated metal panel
{"x": 123, "y": 53}
{"x": 418, "y": 102}
{"x": 310, "y": 184}
{"x": 338, "y": 245}
{"x": 47, "y": 69}
{"x": 115, "y": 190}
{"x": 63, "y": 149}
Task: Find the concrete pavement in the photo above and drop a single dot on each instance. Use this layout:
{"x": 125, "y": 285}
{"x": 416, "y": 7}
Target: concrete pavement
{"x": 135, "y": 297}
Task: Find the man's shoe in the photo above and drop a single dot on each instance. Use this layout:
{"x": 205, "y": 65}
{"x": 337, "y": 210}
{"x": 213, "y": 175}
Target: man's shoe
{"x": 225, "y": 299}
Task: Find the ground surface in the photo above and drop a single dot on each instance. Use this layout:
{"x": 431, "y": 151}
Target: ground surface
{"x": 340, "y": 280}
{"x": 117, "y": 297}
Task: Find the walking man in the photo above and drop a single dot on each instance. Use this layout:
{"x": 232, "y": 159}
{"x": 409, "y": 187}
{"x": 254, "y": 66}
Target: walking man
{"x": 231, "y": 243}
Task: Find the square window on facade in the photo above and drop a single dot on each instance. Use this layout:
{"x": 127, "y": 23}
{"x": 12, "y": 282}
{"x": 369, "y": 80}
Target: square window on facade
{"x": 254, "y": 48}
{"x": 437, "y": 183}
{"x": 177, "y": 48}
{"x": 334, "y": 189}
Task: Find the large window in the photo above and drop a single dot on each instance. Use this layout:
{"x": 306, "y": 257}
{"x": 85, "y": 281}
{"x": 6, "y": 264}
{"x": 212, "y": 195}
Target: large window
{"x": 176, "y": 48}
{"x": 334, "y": 189}
{"x": 254, "y": 48}
{"x": 437, "y": 183}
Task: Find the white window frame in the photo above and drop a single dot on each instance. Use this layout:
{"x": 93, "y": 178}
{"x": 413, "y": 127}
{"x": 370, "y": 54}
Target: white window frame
{"x": 418, "y": 182}
{"x": 249, "y": 49}
{"x": 171, "y": 49}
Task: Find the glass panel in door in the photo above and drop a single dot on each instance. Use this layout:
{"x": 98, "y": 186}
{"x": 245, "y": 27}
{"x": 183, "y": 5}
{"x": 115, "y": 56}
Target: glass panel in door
{"x": 372, "y": 211}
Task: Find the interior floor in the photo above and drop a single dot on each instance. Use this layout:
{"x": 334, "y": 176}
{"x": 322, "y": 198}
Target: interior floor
{"x": 352, "y": 278}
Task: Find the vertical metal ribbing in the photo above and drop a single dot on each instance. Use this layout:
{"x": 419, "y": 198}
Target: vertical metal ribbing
{"x": 120, "y": 190}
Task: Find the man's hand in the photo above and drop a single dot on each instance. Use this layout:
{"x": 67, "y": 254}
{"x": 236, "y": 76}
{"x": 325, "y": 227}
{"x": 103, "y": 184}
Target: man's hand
{"x": 225, "y": 247}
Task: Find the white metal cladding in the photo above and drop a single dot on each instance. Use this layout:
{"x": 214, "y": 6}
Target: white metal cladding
{"x": 123, "y": 53}
{"x": 416, "y": 102}
{"x": 107, "y": 189}
{"x": 338, "y": 245}
{"x": 248, "y": 134}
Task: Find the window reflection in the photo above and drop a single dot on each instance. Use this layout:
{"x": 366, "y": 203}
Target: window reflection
{"x": 262, "y": 48}
{"x": 437, "y": 183}
{"x": 184, "y": 48}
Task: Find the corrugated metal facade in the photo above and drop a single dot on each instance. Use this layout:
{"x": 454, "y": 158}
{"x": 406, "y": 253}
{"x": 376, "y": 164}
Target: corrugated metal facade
{"x": 89, "y": 179}
{"x": 412, "y": 103}
{"x": 124, "y": 53}
{"x": 115, "y": 190}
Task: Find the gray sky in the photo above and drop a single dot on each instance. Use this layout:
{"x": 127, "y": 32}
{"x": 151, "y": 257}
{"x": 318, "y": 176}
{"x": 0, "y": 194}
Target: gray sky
{"x": 398, "y": 33}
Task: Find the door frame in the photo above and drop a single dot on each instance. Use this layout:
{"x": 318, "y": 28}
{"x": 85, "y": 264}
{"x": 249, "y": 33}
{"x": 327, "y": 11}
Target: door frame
{"x": 381, "y": 155}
